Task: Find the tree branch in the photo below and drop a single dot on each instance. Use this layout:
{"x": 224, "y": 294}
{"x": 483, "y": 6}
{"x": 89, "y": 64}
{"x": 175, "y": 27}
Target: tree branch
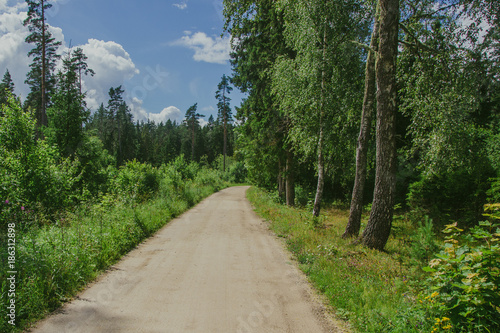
{"x": 418, "y": 44}
{"x": 364, "y": 46}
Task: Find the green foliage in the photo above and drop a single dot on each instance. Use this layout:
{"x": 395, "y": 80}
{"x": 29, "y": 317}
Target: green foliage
{"x": 54, "y": 261}
{"x": 237, "y": 173}
{"x": 494, "y": 191}
{"x": 455, "y": 195}
{"x": 136, "y": 181}
{"x": 303, "y": 197}
{"x": 94, "y": 162}
{"x": 32, "y": 172}
{"x": 465, "y": 277}
{"x": 424, "y": 243}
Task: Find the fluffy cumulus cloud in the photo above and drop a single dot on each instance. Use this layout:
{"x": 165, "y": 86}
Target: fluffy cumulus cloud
{"x": 112, "y": 65}
{"x": 14, "y": 50}
{"x": 209, "y": 49}
{"x": 171, "y": 112}
{"x": 140, "y": 114}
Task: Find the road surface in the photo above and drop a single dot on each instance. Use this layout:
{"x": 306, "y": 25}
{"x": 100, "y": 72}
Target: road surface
{"x": 217, "y": 268}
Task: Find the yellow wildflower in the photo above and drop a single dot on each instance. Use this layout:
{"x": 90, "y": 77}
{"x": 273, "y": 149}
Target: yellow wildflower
{"x": 434, "y": 294}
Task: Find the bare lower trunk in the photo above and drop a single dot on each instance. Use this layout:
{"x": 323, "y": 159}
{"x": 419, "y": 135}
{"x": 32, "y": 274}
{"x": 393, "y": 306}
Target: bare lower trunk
{"x": 379, "y": 226}
{"x": 281, "y": 181}
{"x": 290, "y": 179}
{"x": 321, "y": 177}
{"x": 354, "y": 224}
{"x": 225, "y": 143}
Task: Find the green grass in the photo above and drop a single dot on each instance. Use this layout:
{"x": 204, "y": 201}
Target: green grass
{"x": 55, "y": 261}
{"x": 374, "y": 291}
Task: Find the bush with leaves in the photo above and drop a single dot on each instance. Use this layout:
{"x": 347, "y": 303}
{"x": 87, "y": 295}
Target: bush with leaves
{"x": 237, "y": 173}
{"x": 464, "y": 281}
{"x": 31, "y": 172}
{"x": 136, "y": 181}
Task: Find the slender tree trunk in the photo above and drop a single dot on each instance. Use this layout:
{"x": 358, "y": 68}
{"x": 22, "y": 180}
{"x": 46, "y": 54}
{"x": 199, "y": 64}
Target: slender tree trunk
{"x": 321, "y": 166}
{"x": 290, "y": 179}
{"x": 354, "y": 224}
{"x": 225, "y": 128}
{"x": 281, "y": 181}
{"x": 379, "y": 226}
{"x": 321, "y": 177}
{"x": 192, "y": 141}
{"x": 43, "y": 112}
{"x": 225, "y": 142}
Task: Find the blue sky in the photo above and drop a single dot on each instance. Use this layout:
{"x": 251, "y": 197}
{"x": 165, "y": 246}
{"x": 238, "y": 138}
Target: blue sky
{"x": 167, "y": 54}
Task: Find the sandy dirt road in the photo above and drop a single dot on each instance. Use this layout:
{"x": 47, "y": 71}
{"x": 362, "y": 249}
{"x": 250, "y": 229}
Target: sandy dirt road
{"x": 216, "y": 268}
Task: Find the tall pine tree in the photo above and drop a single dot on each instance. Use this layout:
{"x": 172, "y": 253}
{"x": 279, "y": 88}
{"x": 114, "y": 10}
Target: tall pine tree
{"x": 41, "y": 77}
{"x": 193, "y": 123}
{"x": 68, "y": 111}
{"x": 225, "y": 114}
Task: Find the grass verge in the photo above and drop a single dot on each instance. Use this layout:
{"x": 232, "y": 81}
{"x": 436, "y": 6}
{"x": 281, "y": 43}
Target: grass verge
{"x": 374, "y": 291}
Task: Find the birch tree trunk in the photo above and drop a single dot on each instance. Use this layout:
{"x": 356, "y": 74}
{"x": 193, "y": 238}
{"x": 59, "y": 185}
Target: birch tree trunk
{"x": 354, "y": 224}
{"x": 321, "y": 165}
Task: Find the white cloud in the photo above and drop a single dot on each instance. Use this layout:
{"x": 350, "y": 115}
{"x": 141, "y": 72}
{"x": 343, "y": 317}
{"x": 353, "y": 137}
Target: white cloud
{"x": 14, "y": 49}
{"x": 140, "y": 114}
{"x": 171, "y": 112}
{"x": 213, "y": 50}
{"x": 112, "y": 65}
{"x": 183, "y": 5}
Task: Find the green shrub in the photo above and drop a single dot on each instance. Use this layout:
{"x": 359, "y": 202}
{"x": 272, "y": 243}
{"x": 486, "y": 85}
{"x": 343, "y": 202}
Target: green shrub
{"x": 136, "y": 181}
{"x": 457, "y": 196}
{"x": 32, "y": 173}
{"x": 423, "y": 242}
{"x": 237, "y": 173}
{"x": 465, "y": 279}
{"x": 302, "y": 196}
{"x": 494, "y": 191}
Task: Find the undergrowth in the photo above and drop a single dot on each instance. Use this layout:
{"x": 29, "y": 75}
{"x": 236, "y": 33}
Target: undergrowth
{"x": 382, "y": 291}
{"x": 54, "y": 261}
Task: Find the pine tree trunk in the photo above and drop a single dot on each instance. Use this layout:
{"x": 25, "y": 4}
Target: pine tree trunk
{"x": 43, "y": 112}
{"x": 354, "y": 224}
{"x": 225, "y": 142}
{"x": 225, "y": 128}
{"x": 379, "y": 226}
{"x": 290, "y": 179}
{"x": 192, "y": 141}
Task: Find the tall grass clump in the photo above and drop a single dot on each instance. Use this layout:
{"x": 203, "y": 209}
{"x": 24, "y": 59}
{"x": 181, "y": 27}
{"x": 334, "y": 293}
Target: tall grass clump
{"x": 56, "y": 257}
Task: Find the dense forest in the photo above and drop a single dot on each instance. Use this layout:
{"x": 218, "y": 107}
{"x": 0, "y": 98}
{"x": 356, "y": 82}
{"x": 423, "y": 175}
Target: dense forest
{"x": 361, "y": 101}
{"x": 384, "y": 106}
